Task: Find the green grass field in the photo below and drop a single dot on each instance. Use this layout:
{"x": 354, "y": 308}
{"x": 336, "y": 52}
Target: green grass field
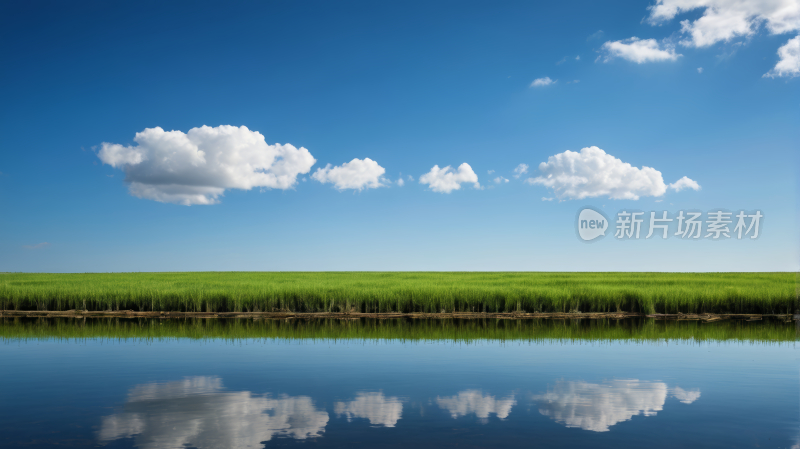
{"x": 365, "y": 329}
{"x": 403, "y": 292}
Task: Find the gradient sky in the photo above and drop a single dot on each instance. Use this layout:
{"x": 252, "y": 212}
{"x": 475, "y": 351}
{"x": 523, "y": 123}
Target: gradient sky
{"x": 409, "y": 85}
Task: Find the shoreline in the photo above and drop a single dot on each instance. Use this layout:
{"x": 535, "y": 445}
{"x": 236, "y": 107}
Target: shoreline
{"x": 707, "y": 317}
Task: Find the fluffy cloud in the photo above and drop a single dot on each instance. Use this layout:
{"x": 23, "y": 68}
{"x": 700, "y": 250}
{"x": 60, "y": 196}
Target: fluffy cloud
{"x": 400, "y": 182}
{"x": 723, "y": 20}
{"x": 685, "y": 396}
{"x": 593, "y": 173}
{"x": 375, "y": 407}
{"x": 500, "y": 180}
{"x": 445, "y": 180}
{"x": 789, "y": 65}
{"x": 639, "y": 50}
{"x": 520, "y": 170}
{"x": 198, "y": 412}
{"x": 197, "y": 167}
{"x": 540, "y": 82}
{"x": 596, "y": 407}
{"x": 473, "y": 401}
{"x": 357, "y": 175}
{"x": 684, "y": 183}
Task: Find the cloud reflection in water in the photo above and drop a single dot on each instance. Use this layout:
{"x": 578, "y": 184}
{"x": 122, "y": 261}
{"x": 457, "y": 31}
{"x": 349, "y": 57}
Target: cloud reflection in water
{"x": 685, "y": 396}
{"x": 198, "y": 412}
{"x": 596, "y": 407}
{"x": 474, "y": 401}
{"x": 377, "y": 408}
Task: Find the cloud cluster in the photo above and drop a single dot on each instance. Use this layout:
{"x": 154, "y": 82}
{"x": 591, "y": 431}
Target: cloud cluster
{"x": 473, "y": 401}
{"x": 789, "y": 64}
{"x": 445, "y": 180}
{"x": 197, "y": 167}
{"x": 592, "y": 173}
{"x": 541, "y": 82}
{"x": 723, "y": 20}
{"x": 639, "y": 50}
{"x": 198, "y": 412}
{"x": 597, "y": 407}
{"x": 377, "y": 408}
{"x": 357, "y": 175}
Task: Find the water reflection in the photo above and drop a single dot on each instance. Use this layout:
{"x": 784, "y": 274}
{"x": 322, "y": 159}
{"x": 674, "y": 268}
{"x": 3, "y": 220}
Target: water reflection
{"x": 685, "y": 396}
{"x": 474, "y": 401}
{"x": 597, "y": 407}
{"x": 198, "y": 412}
{"x": 377, "y": 408}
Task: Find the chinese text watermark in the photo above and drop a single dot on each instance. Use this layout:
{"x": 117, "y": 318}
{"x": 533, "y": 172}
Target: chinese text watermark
{"x": 685, "y": 224}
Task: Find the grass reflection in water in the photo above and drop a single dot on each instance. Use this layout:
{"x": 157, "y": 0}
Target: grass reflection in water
{"x": 457, "y": 330}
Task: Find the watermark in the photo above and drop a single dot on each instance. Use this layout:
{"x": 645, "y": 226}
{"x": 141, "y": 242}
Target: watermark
{"x": 717, "y": 224}
{"x": 592, "y": 224}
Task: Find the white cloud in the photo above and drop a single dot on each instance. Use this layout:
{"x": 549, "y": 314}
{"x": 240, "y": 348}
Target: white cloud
{"x": 377, "y": 408}
{"x": 685, "y": 396}
{"x": 723, "y": 20}
{"x": 592, "y": 173}
{"x": 789, "y": 65}
{"x": 490, "y": 171}
{"x": 445, "y": 180}
{"x": 400, "y": 182}
{"x": 197, "y": 167}
{"x": 547, "y": 199}
{"x": 473, "y": 401}
{"x": 500, "y": 180}
{"x": 639, "y": 50}
{"x": 520, "y": 170}
{"x": 596, "y": 407}
{"x": 578, "y": 58}
{"x": 699, "y": 70}
{"x": 540, "y": 82}
{"x": 198, "y": 412}
{"x": 357, "y": 175}
{"x": 410, "y": 178}
{"x": 684, "y": 183}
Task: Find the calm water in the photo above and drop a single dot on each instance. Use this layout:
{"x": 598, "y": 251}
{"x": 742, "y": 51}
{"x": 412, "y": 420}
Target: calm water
{"x": 257, "y": 392}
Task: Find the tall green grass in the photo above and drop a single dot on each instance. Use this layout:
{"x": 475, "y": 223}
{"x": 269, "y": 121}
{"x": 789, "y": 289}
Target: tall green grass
{"x": 403, "y": 292}
{"x": 365, "y": 329}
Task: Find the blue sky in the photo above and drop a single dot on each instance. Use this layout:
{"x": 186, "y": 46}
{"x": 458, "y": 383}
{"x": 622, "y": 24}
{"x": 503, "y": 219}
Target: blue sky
{"x": 409, "y": 85}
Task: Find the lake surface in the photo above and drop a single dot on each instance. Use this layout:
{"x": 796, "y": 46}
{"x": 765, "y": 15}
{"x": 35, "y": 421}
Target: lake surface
{"x": 207, "y": 384}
